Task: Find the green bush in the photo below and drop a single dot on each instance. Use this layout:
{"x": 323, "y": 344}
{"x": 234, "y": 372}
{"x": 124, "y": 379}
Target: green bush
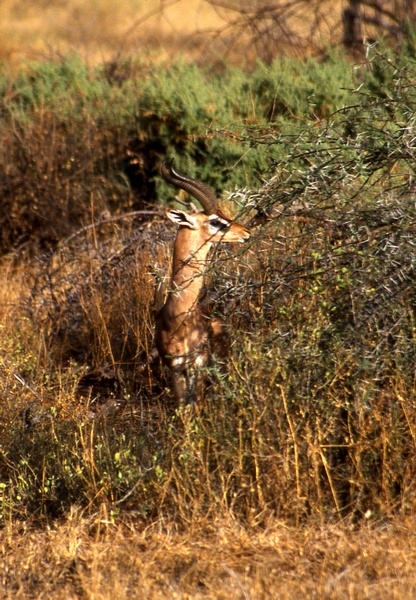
{"x": 302, "y": 89}
{"x": 313, "y": 410}
{"x": 79, "y": 141}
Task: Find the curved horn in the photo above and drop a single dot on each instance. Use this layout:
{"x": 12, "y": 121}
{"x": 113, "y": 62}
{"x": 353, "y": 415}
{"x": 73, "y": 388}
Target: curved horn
{"x": 198, "y": 190}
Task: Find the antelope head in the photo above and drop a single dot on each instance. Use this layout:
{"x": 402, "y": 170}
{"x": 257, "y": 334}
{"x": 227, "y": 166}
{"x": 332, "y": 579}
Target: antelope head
{"x": 213, "y": 224}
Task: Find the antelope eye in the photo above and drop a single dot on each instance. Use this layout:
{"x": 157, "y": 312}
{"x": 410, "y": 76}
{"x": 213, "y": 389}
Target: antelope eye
{"x": 218, "y": 224}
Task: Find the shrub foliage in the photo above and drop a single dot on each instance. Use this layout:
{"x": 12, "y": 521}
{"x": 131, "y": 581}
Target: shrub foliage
{"x": 313, "y": 410}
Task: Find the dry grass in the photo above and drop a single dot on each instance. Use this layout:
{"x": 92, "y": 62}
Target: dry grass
{"x": 98, "y": 559}
{"x": 97, "y": 30}
{"x": 104, "y": 30}
{"x": 101, "y": 30}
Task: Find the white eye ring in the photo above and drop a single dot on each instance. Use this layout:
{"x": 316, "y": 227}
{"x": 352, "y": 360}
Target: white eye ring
{"x": 218, "y": 224}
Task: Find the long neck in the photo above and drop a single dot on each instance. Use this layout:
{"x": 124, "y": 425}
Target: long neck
{"x": 189, "y": 261}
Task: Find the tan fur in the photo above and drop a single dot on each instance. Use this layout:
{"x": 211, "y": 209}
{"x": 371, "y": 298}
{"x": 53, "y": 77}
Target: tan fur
{"x": 181, "y": 326}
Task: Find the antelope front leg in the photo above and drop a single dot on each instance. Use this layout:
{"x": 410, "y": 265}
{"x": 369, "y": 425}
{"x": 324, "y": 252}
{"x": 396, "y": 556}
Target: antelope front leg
{"x": 187, "y": 386}
{"x": 179, "y": 386}
{"x": 194, "y": 386}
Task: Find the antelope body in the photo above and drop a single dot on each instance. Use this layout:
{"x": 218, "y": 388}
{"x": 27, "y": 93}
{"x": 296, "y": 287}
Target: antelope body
{"x": 182, "y": 328}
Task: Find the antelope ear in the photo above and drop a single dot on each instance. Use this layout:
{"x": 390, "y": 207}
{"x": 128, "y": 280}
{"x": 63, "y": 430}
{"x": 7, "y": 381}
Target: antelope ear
{"x": 182, "y": 218}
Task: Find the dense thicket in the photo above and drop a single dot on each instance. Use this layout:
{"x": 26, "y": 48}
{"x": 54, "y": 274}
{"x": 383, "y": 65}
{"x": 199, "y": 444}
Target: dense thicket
{"x": 77, "y": 142}
{"x": 313, "y": 410}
